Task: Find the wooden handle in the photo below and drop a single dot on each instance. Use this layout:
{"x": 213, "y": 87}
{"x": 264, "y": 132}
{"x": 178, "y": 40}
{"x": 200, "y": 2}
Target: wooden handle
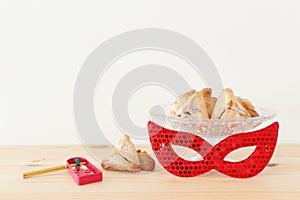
{"x": 47, "y": 170}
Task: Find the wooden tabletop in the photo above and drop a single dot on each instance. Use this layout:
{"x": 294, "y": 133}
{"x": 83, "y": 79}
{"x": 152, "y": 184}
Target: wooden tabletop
{"x": 281, "y": 181}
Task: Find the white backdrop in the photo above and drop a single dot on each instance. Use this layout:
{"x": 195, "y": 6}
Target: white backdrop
{"x": 255, "y": 46}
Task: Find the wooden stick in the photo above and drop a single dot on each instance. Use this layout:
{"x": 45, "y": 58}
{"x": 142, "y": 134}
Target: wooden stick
{"x": 48, "y": 170}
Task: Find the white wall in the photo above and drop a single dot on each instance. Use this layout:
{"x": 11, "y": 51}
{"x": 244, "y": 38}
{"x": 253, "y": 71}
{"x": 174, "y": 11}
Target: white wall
{"x": 254, "y": 44}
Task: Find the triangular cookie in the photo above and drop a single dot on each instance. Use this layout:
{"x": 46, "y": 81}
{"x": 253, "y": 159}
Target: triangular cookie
{"x": 249, "y": 106}
{"x": 210, "y": 104}
{"x": 181, "y": 103}
{"x": 124, "y": 157}
{"x": 228, "y": 107}
{"x": 203, "y": 102}
{"x": 147, "y": 162}
{"x": 192, "y": 104}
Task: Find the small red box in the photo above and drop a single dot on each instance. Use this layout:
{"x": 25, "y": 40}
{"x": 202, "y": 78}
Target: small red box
{"x": 84, "y": 176}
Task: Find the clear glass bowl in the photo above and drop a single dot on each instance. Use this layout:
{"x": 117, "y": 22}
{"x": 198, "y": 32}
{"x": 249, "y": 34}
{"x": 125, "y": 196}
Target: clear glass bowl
{"x": 209, "y": 127}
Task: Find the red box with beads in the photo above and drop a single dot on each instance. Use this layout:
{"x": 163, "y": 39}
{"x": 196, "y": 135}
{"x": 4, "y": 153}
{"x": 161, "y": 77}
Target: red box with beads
{"x": 84, "y": 174}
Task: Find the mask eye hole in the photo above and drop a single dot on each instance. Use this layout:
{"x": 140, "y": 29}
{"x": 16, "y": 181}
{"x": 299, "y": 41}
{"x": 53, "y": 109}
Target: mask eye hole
{"x": 240, "y": 154}
{"x": 187, "y": 153}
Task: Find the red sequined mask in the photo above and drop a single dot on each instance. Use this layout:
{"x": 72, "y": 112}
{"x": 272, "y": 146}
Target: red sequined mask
{"x": 162, "y": 140}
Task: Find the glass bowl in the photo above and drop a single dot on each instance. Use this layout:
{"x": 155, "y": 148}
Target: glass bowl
{"x": 209, "y": 127}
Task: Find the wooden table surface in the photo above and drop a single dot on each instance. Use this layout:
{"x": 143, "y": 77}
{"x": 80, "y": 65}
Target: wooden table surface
{"x": 281, "y": 181}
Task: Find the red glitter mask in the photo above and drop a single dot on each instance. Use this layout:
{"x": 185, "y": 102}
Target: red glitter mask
{"x": 162, "y": 140}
